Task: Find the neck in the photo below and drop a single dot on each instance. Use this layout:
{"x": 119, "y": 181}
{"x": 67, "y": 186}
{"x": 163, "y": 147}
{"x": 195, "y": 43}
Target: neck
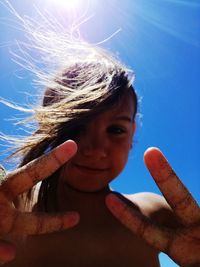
{"x": 83, "y": 202}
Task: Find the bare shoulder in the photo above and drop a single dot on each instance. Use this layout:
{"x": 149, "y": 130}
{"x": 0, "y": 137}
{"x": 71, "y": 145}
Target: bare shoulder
{"x": 155, "y": 207}
{"x": 148, "y": 202}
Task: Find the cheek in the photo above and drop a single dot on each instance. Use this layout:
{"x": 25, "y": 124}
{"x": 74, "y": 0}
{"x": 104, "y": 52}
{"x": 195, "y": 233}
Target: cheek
{"x": 66, "y": 170}
{"x": 120, "y": 157}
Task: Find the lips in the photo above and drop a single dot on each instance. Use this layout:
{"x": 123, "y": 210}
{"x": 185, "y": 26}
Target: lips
{"x": 89, "y": 168}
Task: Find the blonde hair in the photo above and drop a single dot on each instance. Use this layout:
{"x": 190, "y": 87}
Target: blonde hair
{"x": 86, "y": 81}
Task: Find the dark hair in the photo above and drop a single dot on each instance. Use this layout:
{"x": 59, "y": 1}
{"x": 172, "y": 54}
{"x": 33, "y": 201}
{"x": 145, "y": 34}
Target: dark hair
{"x": 78, "y": 94}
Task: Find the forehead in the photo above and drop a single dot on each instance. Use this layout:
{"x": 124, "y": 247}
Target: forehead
{"x": 124, "y": 106}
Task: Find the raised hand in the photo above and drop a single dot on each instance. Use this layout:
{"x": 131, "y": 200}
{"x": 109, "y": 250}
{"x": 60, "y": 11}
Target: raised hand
{"x": 13, "y": 221}
{"x": 181, "y": 244}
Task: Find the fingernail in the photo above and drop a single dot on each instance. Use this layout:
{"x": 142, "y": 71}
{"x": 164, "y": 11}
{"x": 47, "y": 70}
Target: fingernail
{"x": 69, "y": 147}
{"x": 72, "y": 218}
{"x": 153, "y": 156}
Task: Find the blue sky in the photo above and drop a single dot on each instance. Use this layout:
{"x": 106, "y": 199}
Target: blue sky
{"x": 160, "y": 41}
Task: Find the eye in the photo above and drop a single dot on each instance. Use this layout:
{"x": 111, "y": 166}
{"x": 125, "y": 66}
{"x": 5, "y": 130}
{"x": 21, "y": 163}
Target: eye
{"x": 116, "y": 130}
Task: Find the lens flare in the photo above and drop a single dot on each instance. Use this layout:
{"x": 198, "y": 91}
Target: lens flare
{"x": 70, "y": 4}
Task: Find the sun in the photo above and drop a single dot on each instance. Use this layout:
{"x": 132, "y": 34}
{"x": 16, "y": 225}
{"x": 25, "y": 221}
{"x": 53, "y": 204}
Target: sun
{"x": 66, "y": 3}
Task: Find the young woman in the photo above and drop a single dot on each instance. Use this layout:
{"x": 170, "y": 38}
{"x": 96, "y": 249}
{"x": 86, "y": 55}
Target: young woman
{"x": 57, "y": 208}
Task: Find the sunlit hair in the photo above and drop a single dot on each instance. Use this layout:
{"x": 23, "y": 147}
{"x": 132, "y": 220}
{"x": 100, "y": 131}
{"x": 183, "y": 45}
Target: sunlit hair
{"x": 86, "y": 81}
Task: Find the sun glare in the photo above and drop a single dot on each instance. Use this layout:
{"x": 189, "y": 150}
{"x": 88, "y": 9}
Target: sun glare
{"x": 66, "y": 3}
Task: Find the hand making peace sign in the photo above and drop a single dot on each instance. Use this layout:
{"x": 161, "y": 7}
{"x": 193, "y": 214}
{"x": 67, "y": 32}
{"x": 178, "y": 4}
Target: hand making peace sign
{"x": 181, "y": 244}
{"x": 13, "y": 221}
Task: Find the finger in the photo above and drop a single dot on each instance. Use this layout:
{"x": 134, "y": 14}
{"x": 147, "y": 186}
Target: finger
{"x": 27, "y": 176}
{"x": 176, "y": 194}
{"x": 139, "y": 224}
{"x": 40, "y": 223}
{"x": 7, "y": 252}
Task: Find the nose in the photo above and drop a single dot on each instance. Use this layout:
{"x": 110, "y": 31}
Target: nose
{"x": 93, "y": 144}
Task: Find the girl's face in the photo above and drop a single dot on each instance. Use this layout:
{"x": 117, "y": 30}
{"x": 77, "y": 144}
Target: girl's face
{"x": 103, "y": 148}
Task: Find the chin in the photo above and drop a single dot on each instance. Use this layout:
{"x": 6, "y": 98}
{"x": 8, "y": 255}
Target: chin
{"x": 87, "y": 188}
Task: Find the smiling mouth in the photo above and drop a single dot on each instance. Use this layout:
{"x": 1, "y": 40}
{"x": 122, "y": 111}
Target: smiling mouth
{"x": 86, "y": 168}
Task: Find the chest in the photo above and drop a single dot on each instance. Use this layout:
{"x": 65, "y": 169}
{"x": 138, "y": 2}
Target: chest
{"x": 89, "y": 246}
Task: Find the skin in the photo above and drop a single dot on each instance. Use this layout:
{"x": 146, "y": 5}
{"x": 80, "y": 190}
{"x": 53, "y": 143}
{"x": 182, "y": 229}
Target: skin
{"x": 103, "y": 148}
{"x": 113, "y": 229}
{"x": 14, "y": 222}
{"x": 181, "y": 244}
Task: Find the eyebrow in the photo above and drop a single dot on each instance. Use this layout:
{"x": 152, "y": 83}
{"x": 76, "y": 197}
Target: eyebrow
{"x": 124, "y": 118}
